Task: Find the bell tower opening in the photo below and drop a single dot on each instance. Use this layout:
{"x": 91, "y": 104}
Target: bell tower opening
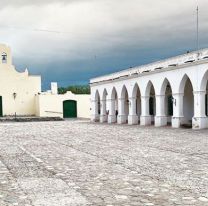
{"x": 4, "y": 58}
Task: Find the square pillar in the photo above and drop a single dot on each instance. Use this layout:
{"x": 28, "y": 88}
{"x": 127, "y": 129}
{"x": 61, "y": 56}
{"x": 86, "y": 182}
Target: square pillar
{"x": 122, "y": 117}
{"x": 95, "y": 117}
{"x": 146, "y": 118}
{"x": 103, "y": 114}
{"x": 160, "y": 118}
{"x": 133, "y": 117}
{"x": 103, "y": 118}
{"x": 112, "y": 112}
{"x": 112, "y": 119}
{"x": 200, "y": 120}
{"x": 178, "y": 116}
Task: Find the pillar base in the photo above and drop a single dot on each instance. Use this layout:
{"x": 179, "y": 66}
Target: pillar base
{"x": 146, "y": 120}
{"x": 122, "y": 119}
{"x": 161, "y": 121}
{"x": 177, "y": 122}
{"x": 133, "y": 119}
{"x": 95, "y": 118}
{"x": 199, "y": 122}
{"x": 112, "y": 119}
{"x": 103, "y": 118}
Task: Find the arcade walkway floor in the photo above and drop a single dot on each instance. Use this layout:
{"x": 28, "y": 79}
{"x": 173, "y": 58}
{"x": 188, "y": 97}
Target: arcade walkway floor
{"x": 77, "y": 163}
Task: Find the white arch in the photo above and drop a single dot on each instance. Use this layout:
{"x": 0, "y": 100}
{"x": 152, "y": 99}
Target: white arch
{"x": 203, "y": 84}
{"x": 168, "y": 98}
{"x": 124, "y": 91}
{"x": 136, "y": 94}
{"x": 148, "y": 88}
{"x": 123, "y": 106}
{"x": 104, "y": 95}
{"x": 97, "y": 95}
{"x": 114, "y": 93}
{"x": 103, "y": 106}
{"x": 188, "y": 99}
{"x": 95, "y": 106}
{"x": 135, "y": 90}
{"x": 164, "y": 86}
{"x": 183, "y": 83}
{"x": 112, "y": 105}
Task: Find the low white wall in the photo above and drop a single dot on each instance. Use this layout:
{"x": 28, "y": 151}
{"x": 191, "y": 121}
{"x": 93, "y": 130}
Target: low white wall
{"x": 51, "y": 105}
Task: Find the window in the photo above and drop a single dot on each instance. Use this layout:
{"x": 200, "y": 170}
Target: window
{"x": 4, "y": 58}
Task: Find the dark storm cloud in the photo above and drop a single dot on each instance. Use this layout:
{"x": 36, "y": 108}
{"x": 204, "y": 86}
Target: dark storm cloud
{"x": 74, "y": 40}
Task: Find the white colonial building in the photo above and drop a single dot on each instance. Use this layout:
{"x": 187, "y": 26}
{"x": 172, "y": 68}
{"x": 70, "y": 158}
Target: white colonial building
{"x": 171, "y": 91}
{"x": 20, "y": 94}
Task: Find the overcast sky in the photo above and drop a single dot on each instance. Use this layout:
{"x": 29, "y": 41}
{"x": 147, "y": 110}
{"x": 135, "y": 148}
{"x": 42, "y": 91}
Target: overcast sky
{"x": 71, "y": 41}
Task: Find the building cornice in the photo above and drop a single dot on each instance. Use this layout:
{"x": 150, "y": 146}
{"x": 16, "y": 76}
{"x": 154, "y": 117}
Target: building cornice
{"x": 170, "y": 68}
{"x": 163, "y": 65}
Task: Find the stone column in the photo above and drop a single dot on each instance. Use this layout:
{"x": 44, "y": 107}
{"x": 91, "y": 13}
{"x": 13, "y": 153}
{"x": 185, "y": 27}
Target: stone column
{"x": 178, "y": 116}
{"x": 200, "y": 120}
{"x": 121, "y": 111}
{"x": 103, "y": 114}
{"x": 160, "y": 118}
{"x": 133, "y": 117}
{"x": 206, "y": 96}
{"x": 112, "y": 112}
{"x": 94, "y": 111}
{"x": 145, "y": 118}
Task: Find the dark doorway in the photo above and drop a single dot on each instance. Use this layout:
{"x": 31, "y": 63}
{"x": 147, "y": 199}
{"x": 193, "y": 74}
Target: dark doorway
{"x": 69, "y": 109}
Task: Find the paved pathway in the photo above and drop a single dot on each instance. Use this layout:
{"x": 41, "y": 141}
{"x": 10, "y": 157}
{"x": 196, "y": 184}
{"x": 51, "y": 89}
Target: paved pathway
{"x": 77, "y": 163}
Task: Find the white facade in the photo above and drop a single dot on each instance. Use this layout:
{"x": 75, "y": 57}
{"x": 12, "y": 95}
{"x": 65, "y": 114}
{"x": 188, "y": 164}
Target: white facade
{"x": 20, "y": 93}
{"x": 172, "y": 91}
{"x": 17, "y": 90}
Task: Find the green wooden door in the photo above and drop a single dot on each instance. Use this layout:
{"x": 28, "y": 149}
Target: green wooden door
{"x": 70, "y": 109}
{"x": 1, "y": 109}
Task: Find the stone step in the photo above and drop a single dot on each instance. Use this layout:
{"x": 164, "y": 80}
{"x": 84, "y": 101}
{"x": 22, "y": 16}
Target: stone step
{"x": 29, "y": 119}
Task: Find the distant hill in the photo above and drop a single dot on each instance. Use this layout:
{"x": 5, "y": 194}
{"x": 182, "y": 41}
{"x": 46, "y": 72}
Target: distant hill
{"x": 76, "y": 89}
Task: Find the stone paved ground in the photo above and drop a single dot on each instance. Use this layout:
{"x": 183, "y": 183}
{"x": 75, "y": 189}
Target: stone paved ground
{"x": 77, "y": 163}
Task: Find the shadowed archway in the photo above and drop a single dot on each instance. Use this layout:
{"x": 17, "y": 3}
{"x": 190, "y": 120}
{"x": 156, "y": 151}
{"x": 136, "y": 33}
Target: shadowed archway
{"x": 150, "y": 91}
{"x": 188, "y": 101}
{"x": 124, "y": 105}
{"x": 97, "y": 105}
{"x": 136, "y": 94}
{"x": 166, "y": 90}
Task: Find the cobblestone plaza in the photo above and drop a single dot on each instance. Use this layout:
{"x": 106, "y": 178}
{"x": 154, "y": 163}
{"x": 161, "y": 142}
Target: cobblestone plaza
{"x": 77, "y": 163}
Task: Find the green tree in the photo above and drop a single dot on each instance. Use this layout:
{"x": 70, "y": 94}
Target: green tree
{"x": 76, "y": 89}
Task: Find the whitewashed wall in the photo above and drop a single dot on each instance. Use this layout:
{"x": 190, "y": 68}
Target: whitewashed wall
{"x": 176, "y": 71}
{"x": 24, "y": 85}
{"x": 51, "y": 105}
